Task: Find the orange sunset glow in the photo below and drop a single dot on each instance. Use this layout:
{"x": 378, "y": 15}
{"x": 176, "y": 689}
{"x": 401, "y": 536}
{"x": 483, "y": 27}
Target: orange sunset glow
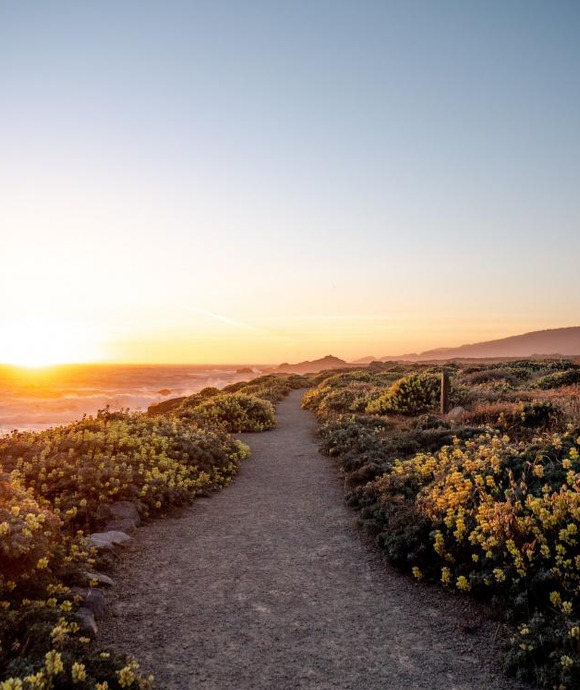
{"x": 270, "y": 221}
{"x": 289, "y": 345}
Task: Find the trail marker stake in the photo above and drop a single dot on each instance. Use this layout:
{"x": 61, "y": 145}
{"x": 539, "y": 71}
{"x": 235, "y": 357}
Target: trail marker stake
{"x": 444, "y": 392}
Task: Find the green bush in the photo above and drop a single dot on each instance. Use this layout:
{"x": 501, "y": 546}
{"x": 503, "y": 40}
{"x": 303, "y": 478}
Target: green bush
{"x": 500, "y": 376}
{"x": 482, "y": 514}
{"x": 207, "y": 392}
{"x": 349, "y": 391}
{"x": 517, "y": 416}
{"x": 272, "y": 391}
{"x": 271, "y": 387}
{"x": 352, "y": 433}
{"x": 559, "y": 379}
{"x": 233, "y": 412}
{"x": 155, "y": 463}
{"x": 498, "y": 519}
{"x": 58, "y": 479}
{"x": 54, "y": 484}
{"x": 414, "y": 394}
{"x": 40, "y": 636}
{"x": 327, "y": 399}
{"x": 494, "y": 512}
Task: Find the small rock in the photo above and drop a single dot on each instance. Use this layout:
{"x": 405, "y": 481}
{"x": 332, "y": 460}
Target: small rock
{"x": 86, "y": 621}
{"x": 101, "y": 578}
{"x": 93, "y": 599}
{"x": 105, "y": 541}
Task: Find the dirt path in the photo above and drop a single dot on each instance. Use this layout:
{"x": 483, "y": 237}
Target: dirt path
{"x": 268, "y": 585}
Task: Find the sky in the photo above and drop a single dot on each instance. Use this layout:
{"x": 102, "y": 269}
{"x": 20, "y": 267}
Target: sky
{"x": 267, "y": 181}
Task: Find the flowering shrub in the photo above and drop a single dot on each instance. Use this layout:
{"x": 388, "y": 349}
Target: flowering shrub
{"x": 155, "y": 463}
{"x": 557, "y": 380}
{"x": 491, "y": 509}
{"x": 271, "y": 387}
{"x": 542, "y": 374}
{"x": 273, "y": 394}
{"x": 53, "y": 485}
{"x": 516, "y": 417}
{"x": 499, "y": 519}
{"x": 349, "y": 391}
{"x": 354, "y": 398}
{"x": 411, "y": 395}
{"x": 27, "y": 532}
{"x": 234, "y": 412}
{"x": 482, "y": 376}
{"x": 40, "y": 643}
{"x": 351, "y": 434}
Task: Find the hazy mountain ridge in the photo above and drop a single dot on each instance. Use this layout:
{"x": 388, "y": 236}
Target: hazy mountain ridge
{"x": 553, "y": 341}
{"x": 365, "y": 360}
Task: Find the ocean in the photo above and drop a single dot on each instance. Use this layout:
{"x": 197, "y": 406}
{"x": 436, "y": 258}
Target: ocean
{"x": 40, "y": 398}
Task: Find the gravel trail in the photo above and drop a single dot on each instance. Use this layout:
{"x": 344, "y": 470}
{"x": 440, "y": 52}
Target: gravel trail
{"x": 268, "y": 585}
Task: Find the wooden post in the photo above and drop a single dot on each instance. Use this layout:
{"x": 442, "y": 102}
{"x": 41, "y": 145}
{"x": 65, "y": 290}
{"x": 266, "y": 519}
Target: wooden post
{"x": 444, "y": 391}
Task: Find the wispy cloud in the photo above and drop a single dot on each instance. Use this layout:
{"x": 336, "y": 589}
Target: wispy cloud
{"x": 224, "y": 319}
{"x": 242, "y": 325}
{"x": 335, "y": 317}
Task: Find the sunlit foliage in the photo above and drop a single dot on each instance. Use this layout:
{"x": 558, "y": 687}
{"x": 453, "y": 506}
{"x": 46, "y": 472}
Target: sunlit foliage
{"x": 53, "y": 485}
{"x": 489, "y": 506}
{"x": 234, "y": 412}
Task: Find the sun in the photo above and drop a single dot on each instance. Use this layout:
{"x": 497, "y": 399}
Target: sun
{"x": 42, "y": 342}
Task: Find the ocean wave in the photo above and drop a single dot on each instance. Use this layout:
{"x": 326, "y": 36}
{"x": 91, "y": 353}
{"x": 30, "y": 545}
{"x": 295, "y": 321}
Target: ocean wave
{"x": 37, "y": 404}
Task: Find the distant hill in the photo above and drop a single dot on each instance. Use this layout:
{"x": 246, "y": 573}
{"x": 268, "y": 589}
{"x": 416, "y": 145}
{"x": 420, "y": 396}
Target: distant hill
{"x": 365, "y": 360}
{"x": 314, "y": 366}
{"x": 554, "y": 341}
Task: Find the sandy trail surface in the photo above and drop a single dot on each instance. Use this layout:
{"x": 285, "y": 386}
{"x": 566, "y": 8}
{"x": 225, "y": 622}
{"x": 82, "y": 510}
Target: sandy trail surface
{"x": 268, "y": 584}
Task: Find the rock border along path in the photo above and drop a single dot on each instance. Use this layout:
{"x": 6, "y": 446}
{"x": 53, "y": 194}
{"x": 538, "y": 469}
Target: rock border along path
{"x": 268, "y": 584}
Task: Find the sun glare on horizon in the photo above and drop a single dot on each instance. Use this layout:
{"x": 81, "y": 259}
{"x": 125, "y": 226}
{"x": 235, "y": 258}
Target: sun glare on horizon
{"x": 37, "y": 343}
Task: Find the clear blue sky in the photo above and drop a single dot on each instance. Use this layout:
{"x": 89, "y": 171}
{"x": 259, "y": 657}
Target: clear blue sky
{"x": 290, "y": 178}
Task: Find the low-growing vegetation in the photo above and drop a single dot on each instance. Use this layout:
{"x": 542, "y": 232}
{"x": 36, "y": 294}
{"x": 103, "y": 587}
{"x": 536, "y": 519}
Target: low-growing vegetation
{"x": 485, "y": 502}
{"x": 240, "y": 407}
{"x": 53, "y": 486}
{"x": 234, "y": 412}
{"x": 413, "y": 394}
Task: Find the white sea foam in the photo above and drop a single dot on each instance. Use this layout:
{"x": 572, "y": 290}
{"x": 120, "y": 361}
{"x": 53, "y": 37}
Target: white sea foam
{"x": 37, "y": 400}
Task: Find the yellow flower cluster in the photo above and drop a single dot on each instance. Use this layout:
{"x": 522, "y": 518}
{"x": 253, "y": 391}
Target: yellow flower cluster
{"x": 154, "y": 462}
{"x": 488, "y": 514}
{"x": 499, "y": 525}
{"x": 54, "y": 674}
{"x": 28, "y": 531}
{"x": 53, "y": 484}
